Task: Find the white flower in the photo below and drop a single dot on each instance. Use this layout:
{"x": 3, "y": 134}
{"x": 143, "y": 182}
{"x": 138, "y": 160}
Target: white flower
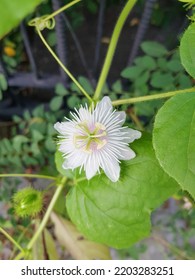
{"x": 95, "y": 139}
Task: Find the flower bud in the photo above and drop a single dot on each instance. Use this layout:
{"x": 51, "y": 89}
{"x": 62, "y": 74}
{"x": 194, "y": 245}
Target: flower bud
{"x": 28, "y": 202}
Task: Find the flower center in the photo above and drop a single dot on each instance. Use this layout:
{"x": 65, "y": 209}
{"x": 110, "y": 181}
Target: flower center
{"x": 90, "y": 138}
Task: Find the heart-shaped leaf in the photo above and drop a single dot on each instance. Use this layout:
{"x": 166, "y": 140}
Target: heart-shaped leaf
{"x": 118, "y": 214}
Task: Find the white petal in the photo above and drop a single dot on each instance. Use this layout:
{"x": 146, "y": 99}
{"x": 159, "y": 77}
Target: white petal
{"x": 73, "y": 161}
{"x": 112, "y": 168}
{"x": 121, "y": 117}
{"x": 84, "y": 114}
{"x": 91, "y": 167}
{"x": 105, "y": 103}
{"x": 103, "y": 111}
{"x": 63, "y": 127}
{"x": 126, "y": 154}
{"x": 130, "y": 135}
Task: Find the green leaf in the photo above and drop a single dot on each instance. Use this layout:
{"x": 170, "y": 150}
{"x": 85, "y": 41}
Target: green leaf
{"x": 186, "y": 49}
{"x": 174, "y": 138}
{"x": 50, "y": 145}
{"x": 56, "y": 103}
{"x": 35, "y": 149}
{"x": 38, "y": 111}
{"x": 161, "y": 80}
{"x": 50, "y": 129}
{"x": 17, "y": 119}
{"x": 18, "y": 141}
{"x": 184, "y": 81}
{"x": 117, "y": 87}
{"x": 61, "y": 90}
{"x": 174, "y": 66}
{"x": 73, "y": 101}
{"x": 118, "y": 214}
{"x": 14, "y": 12}
{"x": 37, "y": 136}
{"x": 142, "y": 80}
{"x": 131, "y": 73}
{"x": 153, "y": 49}
{"x": 146, "y": 62}
{"x": 162, "y": 63}
{"x": 80, "y": 248}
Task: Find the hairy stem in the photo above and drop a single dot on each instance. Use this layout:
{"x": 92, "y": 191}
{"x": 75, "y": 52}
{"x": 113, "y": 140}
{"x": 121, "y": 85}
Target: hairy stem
{"x": 115, "y": 36}
{"x": 151, "y": 97}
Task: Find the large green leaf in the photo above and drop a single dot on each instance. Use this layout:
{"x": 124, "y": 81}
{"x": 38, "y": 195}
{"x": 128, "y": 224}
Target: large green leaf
{"x": 12, "y": 12}
{"x": 187, "y": 46}
{"x": 174, "y": 139}
{"x": 118, "y": 214}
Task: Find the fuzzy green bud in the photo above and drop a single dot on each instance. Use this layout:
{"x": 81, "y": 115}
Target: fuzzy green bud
{"x": 28, "y": 202}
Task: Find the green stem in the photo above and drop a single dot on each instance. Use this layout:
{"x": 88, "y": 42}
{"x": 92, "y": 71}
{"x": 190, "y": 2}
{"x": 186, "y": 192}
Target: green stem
{"x": 61, "y": 9}
{"x": 63, "y": 66}
{"x": 115, "y": 36}
{"x": 12, "y": 240}
{"x": 28, "y": 176}
{"x": 151, "y": 97}
{"x": 47, "y": 214}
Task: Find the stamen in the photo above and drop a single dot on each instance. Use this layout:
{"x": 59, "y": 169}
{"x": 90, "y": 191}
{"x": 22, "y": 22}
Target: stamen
{"x": 87, "y": 138}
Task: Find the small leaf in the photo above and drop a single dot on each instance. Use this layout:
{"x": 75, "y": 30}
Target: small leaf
{"x": 61, "y": 90}
{"x": 153, "y": 49}
{"x": 174, "y": 138}
{"x": 186, "y": 49}
{"x": 174, "y": 66}
{"x": 18, "y": 141}
{"x": 38, "y": 112}
{"x": 161, "y": 80}
{"x": 56, "y": 103}
{"x": 50, "y": 145}
{"x": 146, "y": 62}
{"x": 117, "y": 87}
{"x": 37, "y": 136}
{"x": 142, "y": 80}
{"x": 131, "y": 73}
{"x": 73, "y": 101}
{"x": 76, "y": 244}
